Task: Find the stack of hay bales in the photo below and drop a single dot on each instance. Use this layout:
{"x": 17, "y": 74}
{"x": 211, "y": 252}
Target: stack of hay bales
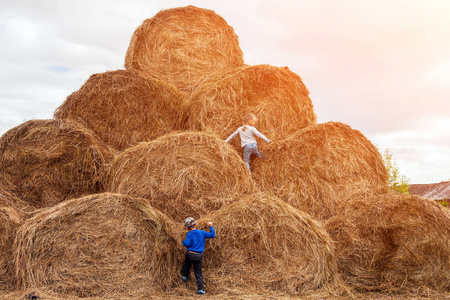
{"x": 133, "y": 152}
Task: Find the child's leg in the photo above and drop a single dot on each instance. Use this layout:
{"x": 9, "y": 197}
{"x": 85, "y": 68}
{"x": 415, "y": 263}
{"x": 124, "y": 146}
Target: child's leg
{"x": 198, "y": 271}
{"x": 248, "y": 150}
{"x": 187, "y": 265}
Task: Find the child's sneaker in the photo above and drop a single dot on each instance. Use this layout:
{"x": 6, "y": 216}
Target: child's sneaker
{"x": 262, "y": 155}
{"x": 184, "y": 278}
{"x": 201, "y": 292}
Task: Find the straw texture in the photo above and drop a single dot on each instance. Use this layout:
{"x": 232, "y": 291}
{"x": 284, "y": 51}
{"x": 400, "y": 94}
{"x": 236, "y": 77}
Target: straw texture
{"x": 277, "y": 96}
{"x": 264, "y": 243}
{"x": 182, "y": 174}
{"x": 102, "y": 245}
{"x": 123, "y": 108}
{"x": 44, "y": 162}
{"x": 10, "y": 220}
{"x": 319, "y": 165}
{"x": 392, "y": 242}
{"x": 184, "y": 46}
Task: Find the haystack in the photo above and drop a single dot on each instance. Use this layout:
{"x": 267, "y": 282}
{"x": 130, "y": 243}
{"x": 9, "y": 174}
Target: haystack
{"x": 184, "y": 46}
{"x": 277, "y": 96}
{"x": 44, "y": 162}
{"x": 264, "y": 244}
{"x": 103, "y": 245}
{"x": 392, "y": 242}
{"x": 182, "y": 174}
{"x": 123, "y": 108}
{"x": 316, "y": 167}
{"x": 10, "y": 220}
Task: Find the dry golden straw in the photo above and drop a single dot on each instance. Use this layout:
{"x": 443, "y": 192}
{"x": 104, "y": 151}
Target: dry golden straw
{"x": 103, "y": 245}
{"x": 123, "y": 108}
{"x": 263, "y": 243}
{"x": 184, "y": 46}
{"x": 182, "y": 174}
{"x": 319, "y": 165}
{"x": 10, "y": 220}
{"x": 277, "y": 97}
{"x": 44, "y": 162}
{"x": 392, "y": 242}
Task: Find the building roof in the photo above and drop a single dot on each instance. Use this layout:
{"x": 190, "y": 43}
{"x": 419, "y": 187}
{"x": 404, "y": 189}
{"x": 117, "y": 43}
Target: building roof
{"x": 435, "y": 191}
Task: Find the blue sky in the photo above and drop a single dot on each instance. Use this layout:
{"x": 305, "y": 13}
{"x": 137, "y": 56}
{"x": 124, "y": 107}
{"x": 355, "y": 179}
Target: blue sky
{"x": 382, "y": 67}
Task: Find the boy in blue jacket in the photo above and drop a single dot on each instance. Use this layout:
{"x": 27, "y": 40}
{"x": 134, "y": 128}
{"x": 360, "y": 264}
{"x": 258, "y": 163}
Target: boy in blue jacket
{"x": 195, "y": 244}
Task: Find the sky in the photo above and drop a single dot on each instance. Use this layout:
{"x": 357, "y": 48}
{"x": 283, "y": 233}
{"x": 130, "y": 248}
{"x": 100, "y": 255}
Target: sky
{"x": 382, "y": 67}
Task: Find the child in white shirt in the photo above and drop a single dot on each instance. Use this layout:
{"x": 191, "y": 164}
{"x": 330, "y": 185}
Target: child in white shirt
{"x": 247, "y": 133}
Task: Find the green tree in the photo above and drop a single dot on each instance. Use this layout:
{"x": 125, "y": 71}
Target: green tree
{"x": 398, "y": 182}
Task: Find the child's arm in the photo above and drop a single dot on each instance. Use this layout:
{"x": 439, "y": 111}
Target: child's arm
{"x": 187, "y": 241}
{"x": 211, "y": 234}
{"x": 232, "y": 136}
{"x": 259, "y": 134}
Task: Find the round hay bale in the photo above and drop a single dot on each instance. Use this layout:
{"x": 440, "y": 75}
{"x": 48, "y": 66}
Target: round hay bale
{"x": 103, "y": 245}
{"x": 277, "y": 97}
{"x": 10, "y": 220}
{"x": 123, "y": 108}
{"x": 184, "y": 46}
{"x": 392, "y": 242}
{"x": 182, "y": 174}
{"x": 263, "y": 243}
{"x": 317, "y": 166}
{"x": 44, "y": 162}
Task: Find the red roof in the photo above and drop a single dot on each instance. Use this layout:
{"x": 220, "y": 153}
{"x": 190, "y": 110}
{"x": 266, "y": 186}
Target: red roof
{"x": 435, "y": 191}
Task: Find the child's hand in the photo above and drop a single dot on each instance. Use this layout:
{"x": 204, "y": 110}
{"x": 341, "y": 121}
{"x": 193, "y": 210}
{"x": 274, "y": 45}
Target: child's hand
{"x": 209, "y": 224}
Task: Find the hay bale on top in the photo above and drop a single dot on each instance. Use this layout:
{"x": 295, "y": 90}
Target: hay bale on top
{"x": 184, "y": 46}
{"x": 182, "y": 174}
{"x": 392, "y": 242}
{"x": 319, "y": 165}
{"x": 44, "y": 162}
{"x": 101, "y": 245}
{"x": 264, "y": 243}
{"x": 123, "y": 108}
{"x": 277, "y": 96}
{"x": 10, "y": 220}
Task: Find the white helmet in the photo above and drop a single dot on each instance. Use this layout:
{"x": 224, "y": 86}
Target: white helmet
{"x": 189, "y": 222}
